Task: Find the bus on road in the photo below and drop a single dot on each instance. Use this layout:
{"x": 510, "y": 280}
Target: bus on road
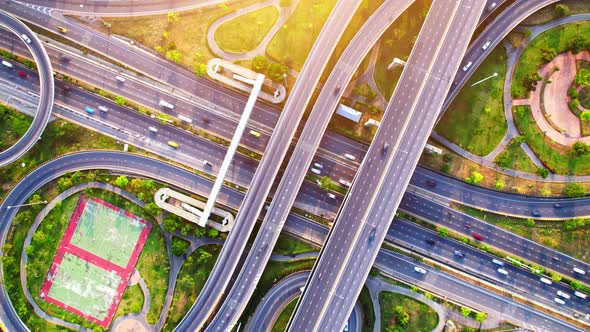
{"x": 173, "y": 144}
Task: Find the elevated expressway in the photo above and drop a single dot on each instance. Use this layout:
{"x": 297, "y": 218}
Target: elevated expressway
{"x": 215, "y": 287}
{"x": 377, "y": 190}
{"x": 140, "y": 166}
{"x": 26, "y": 142}
{"x": 301, "y": 159}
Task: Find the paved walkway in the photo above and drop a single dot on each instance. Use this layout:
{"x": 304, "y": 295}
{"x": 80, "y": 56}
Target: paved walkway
{"x": 290, "y": 258}
{"x": 284, "y": 14}
{"x": 488, "y": 161}
{"x": 368, "y": 76}
{"x": 378, "y": 285}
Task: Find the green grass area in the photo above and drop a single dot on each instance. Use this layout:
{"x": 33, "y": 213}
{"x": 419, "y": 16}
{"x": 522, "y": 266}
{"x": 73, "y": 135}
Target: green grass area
{"x": 190, "y": 282}
{"x": 301, "y": 29}
{"x": 421, "y": 316}
{"x": 130, "y": 302}
{"x": 362, "y": 14}
{"x": 574, "y": 242}
{"x": 153, "y": 263}
{"x": 283, "y": 319}
{"x": 548, "y": 14}
{"x": 107, "y": 233}
{"x": 187, "y": 35}
{"x": 245, "y": 32}
{"x": 287, "y": 245}
{"x": 368, "y": 311}
{"x": 397, "y": 42}
{"x": 273, "y": 272}
{"x": 514, "y": 157}
{"x": 475, "y": 119}
{"x": 584, "y": 97}
{"x": 556, "y": 157}
{"x": 75, "y": 274}
{"x": 13, "y": 126}
{"x": 531, "y": 59}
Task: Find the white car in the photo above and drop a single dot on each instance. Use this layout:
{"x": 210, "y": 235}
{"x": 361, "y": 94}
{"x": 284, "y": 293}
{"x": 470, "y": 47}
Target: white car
{"x": 579, "y": 271}
{"x": 419, "y": 270}
{"x": 546, "y": 281}
{"x": 103, "y": 108}
{"x": 7, "y": 64}
{"x": 206, "y": 163}
{"x": 558, "y": 300}
{"x": 486, "y": 45}
{"x": 580, "y": 294}
{"x": 26, "y": 38}
{"x": 497, "y": 262}
{"x": 349, "y": 156}
{"x": 318, "y": 165}
{"x": 502, "y": 271}
{"x": 467, "y": 66}
{"x": 564, "y": 295}
{"x": 345, "y": 183}
{"x": 166, "y": 104}
{"x": 331, "y": 196}
{"x": 153, "y": 129}
{"x": 315, "y": 171}
{"x": 120, "y": 79}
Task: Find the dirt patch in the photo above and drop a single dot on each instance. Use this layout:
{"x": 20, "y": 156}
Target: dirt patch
{"x": 130, "y": 325}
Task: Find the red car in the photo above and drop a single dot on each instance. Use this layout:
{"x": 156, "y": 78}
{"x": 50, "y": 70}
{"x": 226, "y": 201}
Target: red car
{"x": 21, "y": 73}
{"x": 478, "y": 236}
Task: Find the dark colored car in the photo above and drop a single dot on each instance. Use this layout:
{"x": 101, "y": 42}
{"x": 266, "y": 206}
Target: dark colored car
{"x": 431, "y": 183}
{"x": 372, "y": 236}
{"x": 478, "y": 236}
{"x": 21, "y": 73}
{"x": 430, "y": 241}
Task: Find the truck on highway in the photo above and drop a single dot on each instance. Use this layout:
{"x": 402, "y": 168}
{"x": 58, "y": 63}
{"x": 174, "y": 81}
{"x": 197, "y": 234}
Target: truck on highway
{"x": 185, "y": 118}
{"x": 166, "y": 104}
{"x": 89, "y": 110}
{"x": 579, "y": 271}
{"x": 345, "y": 183}
{"x": 580, "y": 295}
{"x": 564, "y": 295}
{"x": 173, "y": 144}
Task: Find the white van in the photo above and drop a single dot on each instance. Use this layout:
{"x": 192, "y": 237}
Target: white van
{"x": 502, "y": 271}
{"x": 558, "y": 300}
{"x": 331, "y": 196}
{"x": 26, "y": 38}
{"x": 580, "y": 294}
{"x": 497, "y": 262}
{"x": 419, "y": 270}
{"x": 315, "y": 171}
{"x": 546, "y": 281}
{"x": 153, "y": 129}
{"x": 185, "y": 118}
{"x": 349, "y": 156}
{"x": 103, "y": 108}
{"x": 579, "y": 271}
{"x": 564, "y": 295}
{"x": 7, "y": 64}
{"x": 120, "y": 79}
{"x": 345, "y": 183}
{"x": 166, "y": 104}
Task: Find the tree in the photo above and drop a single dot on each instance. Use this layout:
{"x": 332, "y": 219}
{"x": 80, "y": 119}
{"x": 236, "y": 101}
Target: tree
{"x": 120, "y": 100}
{"x": 179, "y": 246}
{"x": 556, "y": 277}
{"x": 562, "y": 10}
{"x": 204, "y": 256}
{"x": 170, "y": 223}
{"x": 153, "y": 209}
{"x": 277, "y": 72}
{"x": 259, "y": 63}
{"x": 530, "y": 80}
{"x": 481, "y": 316}
{"x": 173, "y": 17}
{"x": 583, "y": 77}
{"x": 542, "y": 172}
{"x": 173, "y": 55}
{"x": 212, "y": 233}
{"x": 465, "y": 311}
{"x": 121, "y": 181}
{"x": 547, "y": 54}
{"x": 529, "y": 222}
{"x": 403, "y": 318}
{"x": 578, "y": 44}
{"x": 325, "y": 183}
{"x": 475, "y": 178}
{"x": 199, "y": 68}
{"x": 573, "y": 93}
{"x": 580, "y": 148}
{"x": 443, "y": 231}
{"x": 499, "y": 184}
{"x": 585, "y": 116}
{"x": 575, "y": 285}
{"x": 135, "y": 185}
{"x": 200, "y": 231}
{"x": 186, "y": 281}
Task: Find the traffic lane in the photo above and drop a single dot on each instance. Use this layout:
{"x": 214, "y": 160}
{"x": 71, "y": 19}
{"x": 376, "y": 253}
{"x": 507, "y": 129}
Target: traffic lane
{"x": 329, "y": 269}
{"x": 495, "y": 236}
{"x": 501, "y": 202}
{"x": 479, "y": 263}
{"x": 467, "y": 294}
{"x": 429, "y": 98}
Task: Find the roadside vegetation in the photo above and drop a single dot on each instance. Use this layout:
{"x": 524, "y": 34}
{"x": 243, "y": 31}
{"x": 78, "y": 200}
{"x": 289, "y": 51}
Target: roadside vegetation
{"x": 245, "y": 32}
{"x": 13, "y": 126}
{"x": 190, "y": 282}
{"x": 574, "y": 37}
{"x": 289, "y": 246}
{"x": 367, "y": 309}
{"x": 402, "y": 313}
{"x": 572, "y": 237}
{"x": 557, "y": 158}
{"x": 397, "y": 42}
{"x": 558, "y": 10}
{"x": 514, "y": 157}
{"x": 283, "y": 319}
{"x": 475, "y": 119}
